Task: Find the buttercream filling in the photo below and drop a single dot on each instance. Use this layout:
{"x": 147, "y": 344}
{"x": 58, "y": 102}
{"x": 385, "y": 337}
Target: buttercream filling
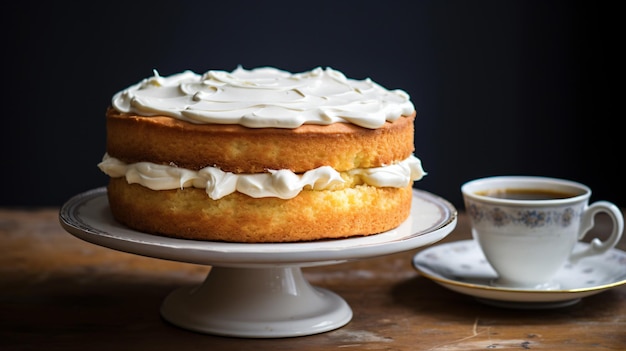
{"x": 283, "y": 183}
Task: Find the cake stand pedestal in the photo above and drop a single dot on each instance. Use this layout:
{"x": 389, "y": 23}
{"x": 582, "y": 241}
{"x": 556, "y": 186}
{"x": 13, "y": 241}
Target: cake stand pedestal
{"x": 256, "y": 290}
{"x": 256, "y": 302}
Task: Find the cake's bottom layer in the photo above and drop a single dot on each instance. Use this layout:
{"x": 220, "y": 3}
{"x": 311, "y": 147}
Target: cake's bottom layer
{"x": 312, "y": 215}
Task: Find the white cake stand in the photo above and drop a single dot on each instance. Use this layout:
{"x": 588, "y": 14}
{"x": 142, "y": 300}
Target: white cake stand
{"x": 256, "y": 290}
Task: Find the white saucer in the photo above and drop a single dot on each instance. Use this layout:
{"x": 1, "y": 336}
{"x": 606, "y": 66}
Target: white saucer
{"x": 461, "y": 266}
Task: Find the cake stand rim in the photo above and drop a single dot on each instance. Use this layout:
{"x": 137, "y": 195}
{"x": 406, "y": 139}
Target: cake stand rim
{"x": 87, "y": 216}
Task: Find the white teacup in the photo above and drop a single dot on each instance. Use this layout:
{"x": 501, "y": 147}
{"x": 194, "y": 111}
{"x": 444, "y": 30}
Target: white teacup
{"x": 528, "y": 226}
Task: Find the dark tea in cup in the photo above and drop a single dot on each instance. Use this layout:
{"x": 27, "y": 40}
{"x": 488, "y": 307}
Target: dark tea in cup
{"x": 527, "y": 194}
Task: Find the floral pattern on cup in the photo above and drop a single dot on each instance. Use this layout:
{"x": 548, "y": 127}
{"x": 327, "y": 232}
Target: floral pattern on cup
{"x": 531, "y": 218}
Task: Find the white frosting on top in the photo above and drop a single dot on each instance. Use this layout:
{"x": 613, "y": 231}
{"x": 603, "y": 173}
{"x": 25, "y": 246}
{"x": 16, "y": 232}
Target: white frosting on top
{"x": 265, "y": 97}
{"x": 283, "y": 184}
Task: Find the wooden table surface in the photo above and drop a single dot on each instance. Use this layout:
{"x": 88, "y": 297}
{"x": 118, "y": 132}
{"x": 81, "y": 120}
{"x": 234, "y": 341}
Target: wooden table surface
{"x": 58, "y": 292}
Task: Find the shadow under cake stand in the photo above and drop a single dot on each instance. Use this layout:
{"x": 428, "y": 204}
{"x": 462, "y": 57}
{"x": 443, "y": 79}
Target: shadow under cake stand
{"x": 256, "y": 290}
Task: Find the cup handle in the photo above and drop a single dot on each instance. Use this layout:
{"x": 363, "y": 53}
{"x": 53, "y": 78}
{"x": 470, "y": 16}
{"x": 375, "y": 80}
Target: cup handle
{"x": 597, "y": 246}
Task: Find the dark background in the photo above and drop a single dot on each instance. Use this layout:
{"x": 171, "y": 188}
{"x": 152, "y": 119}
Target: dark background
{"x": 500, "y": 87}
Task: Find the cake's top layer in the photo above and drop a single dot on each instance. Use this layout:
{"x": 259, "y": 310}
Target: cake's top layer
{"x": 265, "y": 97}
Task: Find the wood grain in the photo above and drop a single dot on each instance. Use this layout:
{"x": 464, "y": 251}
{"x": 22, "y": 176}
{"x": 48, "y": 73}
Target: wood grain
{"x": 58, "y": 292}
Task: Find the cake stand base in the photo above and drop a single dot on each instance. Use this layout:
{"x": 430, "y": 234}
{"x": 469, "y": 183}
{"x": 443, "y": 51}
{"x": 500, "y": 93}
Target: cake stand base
{"x": 256, "y": 303}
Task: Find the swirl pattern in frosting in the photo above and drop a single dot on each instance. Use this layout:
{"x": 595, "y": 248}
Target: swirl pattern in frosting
{"x": 265, "y": 97}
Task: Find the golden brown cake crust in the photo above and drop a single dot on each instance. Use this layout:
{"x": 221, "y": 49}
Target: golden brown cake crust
{"x": 190, "y": 214}
{"x": 237, "y": 149}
